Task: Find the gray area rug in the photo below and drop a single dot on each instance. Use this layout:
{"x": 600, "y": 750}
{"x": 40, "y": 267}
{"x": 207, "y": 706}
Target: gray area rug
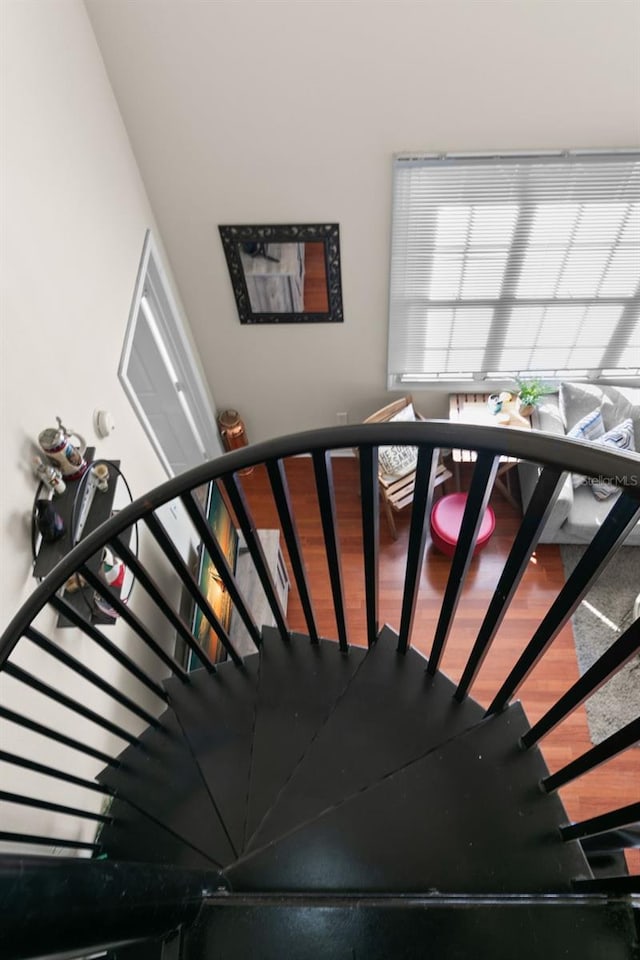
{"x": 603, "y": 615}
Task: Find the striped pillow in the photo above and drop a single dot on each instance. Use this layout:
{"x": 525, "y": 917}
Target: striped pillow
{"x": 590, "y": 428}
{"x": 621, "y": 438}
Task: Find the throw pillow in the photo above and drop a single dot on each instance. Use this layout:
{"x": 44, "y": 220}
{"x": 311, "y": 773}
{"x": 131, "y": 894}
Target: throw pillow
{"x": 589, "y": 428}
{"x": 397, "y": 461}
{"x": 576, "y": 400}
{"x": 621, "y": 438}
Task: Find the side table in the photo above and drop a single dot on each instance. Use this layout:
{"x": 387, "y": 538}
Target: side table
{"x": 472, "y": 408}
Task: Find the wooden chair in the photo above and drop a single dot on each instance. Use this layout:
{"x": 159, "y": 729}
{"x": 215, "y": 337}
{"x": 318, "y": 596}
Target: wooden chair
{"x": 397, "y": 493}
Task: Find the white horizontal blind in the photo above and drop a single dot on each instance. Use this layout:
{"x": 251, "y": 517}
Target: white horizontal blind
{"x": 507, "y": 266}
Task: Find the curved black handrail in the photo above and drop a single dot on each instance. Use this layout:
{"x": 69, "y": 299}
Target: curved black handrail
{"x": 566, "y": 454}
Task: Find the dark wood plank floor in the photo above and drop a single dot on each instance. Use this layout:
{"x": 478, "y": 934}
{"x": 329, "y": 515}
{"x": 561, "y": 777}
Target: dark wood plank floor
{"x": 613, "y": 784}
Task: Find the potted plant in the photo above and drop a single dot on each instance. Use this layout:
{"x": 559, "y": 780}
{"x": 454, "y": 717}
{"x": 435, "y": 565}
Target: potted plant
{"x": 530, "y": 393}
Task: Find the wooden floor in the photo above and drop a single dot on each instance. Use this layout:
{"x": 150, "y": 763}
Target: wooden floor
{"x": 611, "y": 785}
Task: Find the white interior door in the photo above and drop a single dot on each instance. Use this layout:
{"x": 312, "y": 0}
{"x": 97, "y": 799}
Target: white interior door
{"x": 158, "y": 391}
{"x": 160, "y": 375}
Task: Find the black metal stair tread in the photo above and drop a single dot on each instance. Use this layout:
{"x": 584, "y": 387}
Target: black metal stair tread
{"x": 299, "y": 686}
{"x": 409, "y": 930}
{"x": 217, "y": 714}
{"x": 134, "y": 837}
{"x": 393, "y": 713}
{"x": 469, "y": 817}
{"x": 164, "y": 781}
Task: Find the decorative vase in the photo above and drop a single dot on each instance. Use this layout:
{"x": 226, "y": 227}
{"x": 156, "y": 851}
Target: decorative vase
{"x": 525, "y": 409}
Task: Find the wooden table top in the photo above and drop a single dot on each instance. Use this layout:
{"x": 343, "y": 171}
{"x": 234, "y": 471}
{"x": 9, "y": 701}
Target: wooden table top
{"x": 472, "y": 408}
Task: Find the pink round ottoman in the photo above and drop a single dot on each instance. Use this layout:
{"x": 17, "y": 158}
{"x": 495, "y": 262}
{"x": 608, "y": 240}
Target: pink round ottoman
{"x": 446, "y": 520}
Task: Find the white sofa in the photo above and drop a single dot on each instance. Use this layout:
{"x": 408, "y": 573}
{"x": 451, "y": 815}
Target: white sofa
{"x": 577, "y": 513}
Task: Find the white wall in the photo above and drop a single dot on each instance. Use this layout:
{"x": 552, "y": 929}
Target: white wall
{"x": 75, "y": 213}
{"x": 250, "y": 111}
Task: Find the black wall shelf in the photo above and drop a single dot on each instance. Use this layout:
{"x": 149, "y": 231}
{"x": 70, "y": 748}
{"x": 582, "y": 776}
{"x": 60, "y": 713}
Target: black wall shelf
{"x": 50, "y": 554}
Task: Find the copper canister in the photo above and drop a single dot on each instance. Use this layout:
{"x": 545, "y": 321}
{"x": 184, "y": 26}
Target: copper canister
{"x": 233, "y": 433}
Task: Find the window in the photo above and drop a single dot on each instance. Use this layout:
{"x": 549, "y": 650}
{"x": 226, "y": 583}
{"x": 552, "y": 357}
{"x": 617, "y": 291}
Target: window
{"x": 515, "y": 265}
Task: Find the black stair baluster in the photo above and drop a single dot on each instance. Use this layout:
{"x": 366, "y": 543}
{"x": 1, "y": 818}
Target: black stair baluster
{"x": 611, "y": 747}
{"x": 224, "y": 571}
{"x": 27, "y": 678}
{"x": 369, "y": 496}
{"x": 148, "y": 583}
{"x": 168, "y": 547}
{"x": 238, "y": 501}
{"x": 24, "y": 801}
{"x": 12, "y": 758}
{"x": 619, "y": 521}
{"x": 323, "y": 472}
{"x": 67, "y": 611}
{"x": 132, "y": 620}
{"x": 536, "y": 515}
{"x": 613, "y": 820}
{"x": 426, "y": 468}
{"x": 282, "y": 499}
{"x": 29, "y": 724}
{"x": 61, "y": 656}
{"x": 9, "y": 837}
{"x": 477, "y": 500}
{"x": 612, "y": 660}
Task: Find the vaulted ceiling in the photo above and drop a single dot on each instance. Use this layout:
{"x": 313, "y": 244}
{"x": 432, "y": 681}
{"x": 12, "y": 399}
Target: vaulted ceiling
{"x": 259, "y": 111}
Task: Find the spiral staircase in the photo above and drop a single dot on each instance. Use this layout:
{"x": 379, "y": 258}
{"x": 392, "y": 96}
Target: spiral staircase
{"x": 328, "y": 798}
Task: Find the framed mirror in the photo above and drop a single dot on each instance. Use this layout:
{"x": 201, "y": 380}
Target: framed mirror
{"x": 285, "y": 273}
